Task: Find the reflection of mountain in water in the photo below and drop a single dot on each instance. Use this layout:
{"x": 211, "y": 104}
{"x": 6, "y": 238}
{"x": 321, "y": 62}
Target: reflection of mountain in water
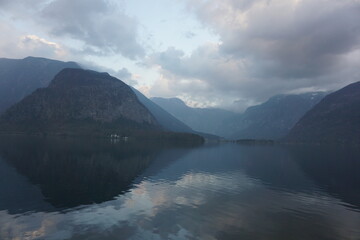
{"x": 335, "y": 170}
{"x": 274, "y": 166}
{"x": 74, "y": 172}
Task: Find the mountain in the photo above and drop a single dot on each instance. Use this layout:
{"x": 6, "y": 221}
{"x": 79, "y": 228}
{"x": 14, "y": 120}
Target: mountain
{"x": 272, "y": 119}
{"x": 79, "y": 102}
{"x": 207, "y": 120}
{"x": 168, "y": 121}
{"x": 20, "y": 77}
{"x": 336, "y": 119}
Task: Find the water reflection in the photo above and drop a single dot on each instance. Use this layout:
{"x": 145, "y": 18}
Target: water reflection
{"x": 213, "y": 192}
{"x": 69, "y": 172}
{"x": 335, "y": 169}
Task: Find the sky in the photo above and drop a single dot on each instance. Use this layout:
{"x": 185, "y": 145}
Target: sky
{"x": 230, "y": 53}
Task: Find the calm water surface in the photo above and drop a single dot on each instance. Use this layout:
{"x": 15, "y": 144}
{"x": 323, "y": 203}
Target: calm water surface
{"x": 86, "y": 189}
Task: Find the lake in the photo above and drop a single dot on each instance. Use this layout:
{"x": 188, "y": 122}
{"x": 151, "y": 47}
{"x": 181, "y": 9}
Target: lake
{"x": 61, "y": 188}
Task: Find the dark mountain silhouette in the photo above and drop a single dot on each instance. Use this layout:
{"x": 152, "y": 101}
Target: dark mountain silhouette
{"x": 336, "y": 119}
{"x": 20, "y": 77}
{"x": 79, "y": 101}
{"x": 272, "y": 119}
{"x": 207, "y": 120}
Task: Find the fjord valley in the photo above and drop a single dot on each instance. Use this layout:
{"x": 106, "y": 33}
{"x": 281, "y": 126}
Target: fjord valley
{"x": 272, "y": 119}
{"x": 85, "y": 102}
{"x": 179, "y": 120}
{"x": 86, "y": 142}
{"x": 208, "y": 120}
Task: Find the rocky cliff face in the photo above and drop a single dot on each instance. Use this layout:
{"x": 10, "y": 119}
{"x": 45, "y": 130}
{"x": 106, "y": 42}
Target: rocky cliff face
{"x": 79, "y": 98}
{"x": 336, "y": 119}
{"x": 20, "y": 77}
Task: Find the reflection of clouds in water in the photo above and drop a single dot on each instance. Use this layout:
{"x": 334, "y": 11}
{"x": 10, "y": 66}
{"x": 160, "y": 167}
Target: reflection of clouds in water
{"x": 207, "y": 206}
{"x": 231, "y": 181}
{"x": 33, "y": 226}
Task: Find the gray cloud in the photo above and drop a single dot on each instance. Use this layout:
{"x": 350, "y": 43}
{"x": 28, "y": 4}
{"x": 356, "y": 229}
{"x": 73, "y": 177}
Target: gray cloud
{"x": 13, "y": 3}
{"x": 307, "y": 43}
{"x": 205, "y": 64}
{"x": 216, "y": 79}
{"x": 126, "y": 76}
{"x": 99, "y": 25}
{"x": 265, "y": 47}
{"x": 269, "y": 47}
{"x": 123, "y": 74}
{"x": 4, "y": 2}
{"x": 189, "y": 34}
{"x": 287, "y": 39}
{"x": 205, "y": 76}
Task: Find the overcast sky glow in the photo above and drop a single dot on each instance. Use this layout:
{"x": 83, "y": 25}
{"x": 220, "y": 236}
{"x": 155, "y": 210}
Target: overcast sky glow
{"x": 228, "y": 53}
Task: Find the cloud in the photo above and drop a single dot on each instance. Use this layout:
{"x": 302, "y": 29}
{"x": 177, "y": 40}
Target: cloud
{"x": 268, "y": 47}
{"x": 205, "y": 64}
{"x": 123, "y": 74}
{"x": 99, "y": 24}
{"x": 205, "y": 76}
{"x": 35, "y": 45}
{"x": 214, "y": 79}
{"x": 287, "y": 39}
{"x": 100, "y": 27}
{"x": 126, "y": 76}
{"x": 265, "y": 47}
{"x": 20, "y": 46}
{"x": 190, "y": 34}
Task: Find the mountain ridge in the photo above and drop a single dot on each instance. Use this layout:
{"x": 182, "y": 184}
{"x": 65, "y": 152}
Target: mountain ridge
{"x": 20, "y": 77}
{"x": 335, "y": 119}
{"x": 39, "y": 72}
{"x": 274, "y": 118}
{"x": 79, "y": 96}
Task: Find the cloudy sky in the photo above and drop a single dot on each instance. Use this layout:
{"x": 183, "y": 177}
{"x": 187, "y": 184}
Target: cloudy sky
{"x": 228, "y": 53}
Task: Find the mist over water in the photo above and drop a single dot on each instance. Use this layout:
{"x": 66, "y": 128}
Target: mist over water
{"x": 53, "y": 188}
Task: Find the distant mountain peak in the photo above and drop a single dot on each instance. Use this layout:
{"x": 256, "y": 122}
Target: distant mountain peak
{"x": 207, "y": 120}
{"x": 173, "y": 100}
